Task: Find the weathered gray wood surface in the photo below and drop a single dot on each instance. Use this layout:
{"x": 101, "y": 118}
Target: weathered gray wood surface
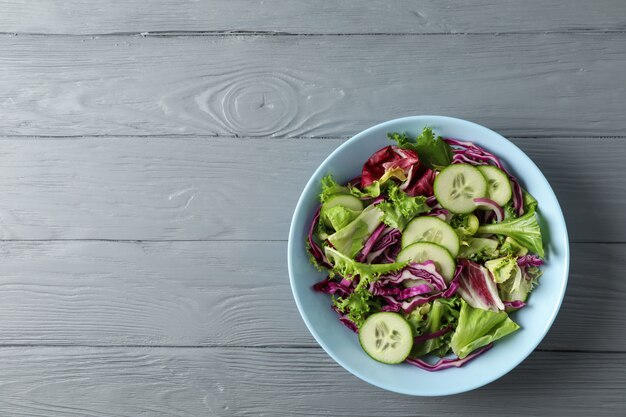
{"x": 302, "y": 16}
{"x": 142, "y": 147}
{"x": 224, "y": 189}
{"x": 228, "y": 294}
{"x": 527, "y": 85}
{"x": 282, "y": 382}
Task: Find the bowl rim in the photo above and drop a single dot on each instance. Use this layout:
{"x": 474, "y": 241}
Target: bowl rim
{"x": 292, "y": 246}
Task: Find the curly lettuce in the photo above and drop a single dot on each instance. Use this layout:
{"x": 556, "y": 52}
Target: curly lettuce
{"x": 399, "y": 209}
{"x": 433, "y": 151}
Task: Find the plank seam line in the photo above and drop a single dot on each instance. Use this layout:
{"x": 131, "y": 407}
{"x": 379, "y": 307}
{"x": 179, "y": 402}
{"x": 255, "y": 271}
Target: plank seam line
{"x": 260, "y": 347}
{"x": 143, "y": 240}
{"x": 268, "y": 33}
{"x": 223, "y": 240}
{"x": 277, "y": 138}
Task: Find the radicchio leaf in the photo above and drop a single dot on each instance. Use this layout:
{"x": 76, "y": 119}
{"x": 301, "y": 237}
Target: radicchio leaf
{"x": 477, "y": 287}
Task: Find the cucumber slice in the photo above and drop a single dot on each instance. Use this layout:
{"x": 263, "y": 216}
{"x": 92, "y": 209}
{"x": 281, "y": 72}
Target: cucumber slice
{"x": 346, "y": 200}
{"x": 498, "y": 184}
{"x": 425, "y": 251}
{"x": 431, "y": 229}
{"x": 353, "y": 205}
{"x": 458, "y": 185}
{"x": 386, "y": 337}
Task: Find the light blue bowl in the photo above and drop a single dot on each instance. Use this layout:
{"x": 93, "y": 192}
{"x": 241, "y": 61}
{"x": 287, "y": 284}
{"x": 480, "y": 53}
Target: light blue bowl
{"x": 342, "y": 344}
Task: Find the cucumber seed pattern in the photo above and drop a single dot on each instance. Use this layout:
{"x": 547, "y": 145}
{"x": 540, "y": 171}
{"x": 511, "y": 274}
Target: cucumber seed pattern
{"x": 432, "y": 235}
{"x": 459, "y": 187}
{"x": 386, "y": 339}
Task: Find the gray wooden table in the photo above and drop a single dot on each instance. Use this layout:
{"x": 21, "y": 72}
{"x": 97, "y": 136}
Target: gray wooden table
{"x": 151, "y": 155}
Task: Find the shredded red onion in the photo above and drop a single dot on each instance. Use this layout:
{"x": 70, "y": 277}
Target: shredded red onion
{"x": 491, "y": 205}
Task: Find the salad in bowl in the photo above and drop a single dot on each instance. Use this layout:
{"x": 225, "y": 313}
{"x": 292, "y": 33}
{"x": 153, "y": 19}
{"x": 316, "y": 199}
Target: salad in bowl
{"x": 427, "y": 251}
{"x": 418, "y": 244}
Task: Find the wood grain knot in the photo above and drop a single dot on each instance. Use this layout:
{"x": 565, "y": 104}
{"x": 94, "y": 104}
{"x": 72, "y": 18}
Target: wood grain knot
{"x": 252, "y": 104}
{"x": 264, "y": 102}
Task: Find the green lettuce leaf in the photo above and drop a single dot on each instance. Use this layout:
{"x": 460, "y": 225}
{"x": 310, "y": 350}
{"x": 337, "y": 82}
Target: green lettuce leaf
{"x": 357, "y": 306}
{"x": 525, "y": 230}
{"x": 520, "y": 285}
{"x": 509, "y": 212}
{"x": 530, "y": 203}
{"x": 348, "y": 268}
{"x": 371, "y": 191}
{"x": 443, "y": 313}
{"x": 399, "y": 209}
{"x": 376, "y": 188}
{"x": 516, "y": 288}
{"x": 416, "y": 317}
{"x": 502, "y": 269}
{"x": 330, "y": 187}
{"x": 432, "y": 150}
{"x": 338, "y": 217}
{"x": 479, "y": 249}
{"x": 350, "y": 239}
{"x": 477, "y": 328}
{"x": 511, "y": 247}
{"x": 465, "y": 225}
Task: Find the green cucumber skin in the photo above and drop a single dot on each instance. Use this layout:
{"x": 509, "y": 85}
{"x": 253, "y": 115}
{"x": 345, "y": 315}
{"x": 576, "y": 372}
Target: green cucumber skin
{"x": 505, "y": 191}
{"x": 405, "y": 333}
{"x": 446, "y": 270}
{"x": 348, "y": 201}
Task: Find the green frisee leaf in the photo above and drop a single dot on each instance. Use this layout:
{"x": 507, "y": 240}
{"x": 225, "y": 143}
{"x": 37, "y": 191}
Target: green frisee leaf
{"x": 431, "y": 150}
{"x": 399, "y": 209}
{"x": 330, "y": 187}
{"x": 349, "y": 268}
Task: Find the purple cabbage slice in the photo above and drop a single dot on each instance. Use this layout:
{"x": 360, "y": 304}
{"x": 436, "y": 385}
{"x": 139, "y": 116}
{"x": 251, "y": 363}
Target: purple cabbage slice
{"x": 442, "y": 364}
{"x": 315, "y": 251}
{"x": 477, "y": 287}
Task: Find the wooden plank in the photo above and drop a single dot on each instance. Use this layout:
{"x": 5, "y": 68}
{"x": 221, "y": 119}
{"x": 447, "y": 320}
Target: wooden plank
{"x": 108, "y": 293}
{"x": 326, "y": 16}
{"x": 220, "y": 188}
{"x": 282, "y": 382}
{"x": 557, "y": 84}
{"x": 227, "y": 293}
